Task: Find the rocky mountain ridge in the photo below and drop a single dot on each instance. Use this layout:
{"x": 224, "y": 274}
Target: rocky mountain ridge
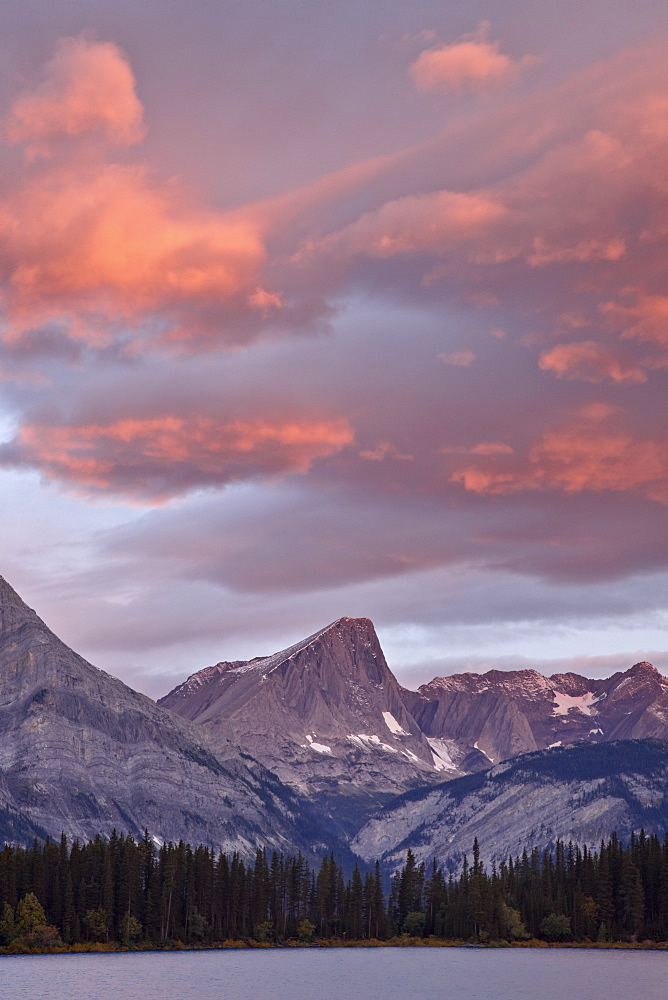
{"x": 81, "y": 752}
{"x": 330, "y": 719}
{"x": 318, "y": 748}
{"x": 507, "y": 713}
{"x": 333, "y": 693}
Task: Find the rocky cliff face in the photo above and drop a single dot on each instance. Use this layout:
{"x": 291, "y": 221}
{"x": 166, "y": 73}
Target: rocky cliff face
{"x": 506, "y": 713}
{"x": 326, "y": 715}
{"x": 581, "y": 793}
{"x": 83, "y": 753}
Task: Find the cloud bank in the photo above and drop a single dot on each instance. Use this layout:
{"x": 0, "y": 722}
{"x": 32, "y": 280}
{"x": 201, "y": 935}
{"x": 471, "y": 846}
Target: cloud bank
{"x": 436, "y": 354}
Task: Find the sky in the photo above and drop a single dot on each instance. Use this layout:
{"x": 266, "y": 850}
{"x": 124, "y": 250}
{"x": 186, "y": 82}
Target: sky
{"x": 311, "y": 310}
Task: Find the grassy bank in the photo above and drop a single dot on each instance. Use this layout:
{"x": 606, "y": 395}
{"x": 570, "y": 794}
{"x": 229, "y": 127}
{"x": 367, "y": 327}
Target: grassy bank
{"x": 402, "y": 941}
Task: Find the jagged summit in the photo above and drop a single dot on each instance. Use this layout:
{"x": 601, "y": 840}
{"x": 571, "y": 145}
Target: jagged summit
{"x": 529, "y": 681}
{"x": 264, "y": 664}
{"x": 646, "y": 668}
{"x": 332, "y": 675}
{"x": 506, "y": 713}
{"x": 325, "y": 712}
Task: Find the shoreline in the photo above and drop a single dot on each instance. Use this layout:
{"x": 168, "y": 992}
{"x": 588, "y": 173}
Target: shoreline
{"x": 115, "y": 948}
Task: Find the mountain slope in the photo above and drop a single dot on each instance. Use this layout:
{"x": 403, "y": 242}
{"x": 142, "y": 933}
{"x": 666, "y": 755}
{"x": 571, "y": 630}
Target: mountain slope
{"x": 582, "y": 793}
{"x": 83, "y": 753}
{"x": 326, "y": 715}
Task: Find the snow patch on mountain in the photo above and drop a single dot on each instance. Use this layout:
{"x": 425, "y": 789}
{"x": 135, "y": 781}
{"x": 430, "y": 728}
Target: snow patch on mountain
{"x": 393, "y": 725}
{"x": 476, "y": 747}
{"x": 366, "y": 742}
{"x": 565, "y": 702}
{"x": 318, "y": 747}
{"x": 440, "y": 751}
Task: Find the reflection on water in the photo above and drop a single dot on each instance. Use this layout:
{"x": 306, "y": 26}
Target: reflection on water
{"x": 339, "y": 974}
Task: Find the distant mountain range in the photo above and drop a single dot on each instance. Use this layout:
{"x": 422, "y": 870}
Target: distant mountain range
{"x": 506, "y": 713}
{"x": 330, "y": 719}
{"x": 319, "y": 748}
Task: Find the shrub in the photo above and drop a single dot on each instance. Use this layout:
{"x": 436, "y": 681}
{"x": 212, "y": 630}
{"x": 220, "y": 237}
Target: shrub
{"x": 556, "y": 927}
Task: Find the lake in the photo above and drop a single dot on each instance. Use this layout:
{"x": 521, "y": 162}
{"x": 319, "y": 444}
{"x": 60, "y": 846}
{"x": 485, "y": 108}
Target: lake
{"x": 339, "y": 974}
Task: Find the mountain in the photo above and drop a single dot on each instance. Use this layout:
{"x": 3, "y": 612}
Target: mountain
{"x": 296, "y": 751}
{"x": 326, "y": 715}
{"x": 81, "y": 752}
{"x": 582, "y": 793}
{"x": 332, "y": 696}
{"x": 506, "y": 713}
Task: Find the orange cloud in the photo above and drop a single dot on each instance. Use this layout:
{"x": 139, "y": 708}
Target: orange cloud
{"x": 469, "y": 64}
{"x": 647, "y": 320}
{"x": 591, "y": 453}
{"x": 159, "y": 457}
{"x": 100, "y": 247}
{"x": 87, "y": 86}
{"x": 416, "y": 224}
{"x": 590, "y": 361}
{"x": 492, "y": 448}
{"x": 383, "y": 450}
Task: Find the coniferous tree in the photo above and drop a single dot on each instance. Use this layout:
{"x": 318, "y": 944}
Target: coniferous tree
{"x": 125, "y": 891}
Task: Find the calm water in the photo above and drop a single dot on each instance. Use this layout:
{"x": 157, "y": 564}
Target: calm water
{"x": 340, "y": 974}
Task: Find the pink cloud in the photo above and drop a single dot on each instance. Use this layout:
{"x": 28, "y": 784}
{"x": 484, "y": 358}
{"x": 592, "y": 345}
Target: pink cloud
{"x": 153, "y": 459}
{"x": 645, "y": 320}
{"x": 104, "y": 250}
{"x": 431, "y": 223}
{"x": 569, "y": 234}
{"x": 594, "y": 452}
{"x": 492, "y": 448}
{"x": 472, "y": 63}
{"x": 384, "y": 450}
{"x": 583, "y": 252}
{"x": 87, "y": 86}
{"x": 101, "y": 246}
{"x": 591, "y": 361}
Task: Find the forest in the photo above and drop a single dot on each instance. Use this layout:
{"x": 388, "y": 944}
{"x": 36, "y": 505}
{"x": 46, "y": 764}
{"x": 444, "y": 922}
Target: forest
{"x": 122, "y": 892}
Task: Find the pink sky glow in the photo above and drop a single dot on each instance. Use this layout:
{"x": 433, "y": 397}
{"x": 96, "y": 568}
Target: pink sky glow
{"x": 310, "y": 311}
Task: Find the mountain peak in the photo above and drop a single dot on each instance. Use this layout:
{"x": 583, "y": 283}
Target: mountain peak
{"x": 8, "y": 595}
{"x": 265, "y": 664}
{"x": 644, "y": 667}
{"x": 644, "y": 671}
{"x": 324, "y": 711}
{"x": 13, "y": 611}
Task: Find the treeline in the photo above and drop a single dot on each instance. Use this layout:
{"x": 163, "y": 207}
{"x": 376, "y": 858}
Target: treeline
{"x": 618, "y": 893}
{"x": 133, "y": 893}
